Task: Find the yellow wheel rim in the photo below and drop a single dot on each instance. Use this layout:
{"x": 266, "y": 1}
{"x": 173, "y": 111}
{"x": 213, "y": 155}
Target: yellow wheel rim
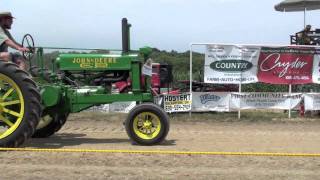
{"x": 11, "y": 106}
{"x": 147, "y": 125}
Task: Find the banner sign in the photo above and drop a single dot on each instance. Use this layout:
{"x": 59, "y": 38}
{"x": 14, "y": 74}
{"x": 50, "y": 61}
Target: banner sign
{"x": 228, "y": 64}
{"x": 266, "y": 100}
{"x": 286, "y": 65}
{"x": 123, "y": 107}
{"x": 316, "y": 67}
{"x": 210, "y": 101}
{"x": 177, "y": 103}
{"x": 231, "y": 64}
{"x": 312, "y": 101}
{"x": 223, "y": 102}
{"x": 227, "y": 101}
{"x": 147, "y": 68}
{"x": 101, "y": 108}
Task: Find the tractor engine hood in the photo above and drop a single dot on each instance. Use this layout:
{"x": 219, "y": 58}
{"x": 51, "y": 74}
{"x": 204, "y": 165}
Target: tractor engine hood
{"x": 95, "y": 62}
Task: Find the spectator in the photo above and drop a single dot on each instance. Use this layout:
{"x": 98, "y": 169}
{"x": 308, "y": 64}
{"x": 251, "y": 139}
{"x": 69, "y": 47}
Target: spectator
{"x": 303, "y": 37}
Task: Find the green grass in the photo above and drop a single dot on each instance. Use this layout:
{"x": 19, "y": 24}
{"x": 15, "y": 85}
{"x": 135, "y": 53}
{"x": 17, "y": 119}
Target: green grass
{"x": 246, "y": 116}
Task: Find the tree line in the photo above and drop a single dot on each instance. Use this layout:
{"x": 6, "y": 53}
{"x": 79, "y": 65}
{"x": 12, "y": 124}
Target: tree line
{"x": 180, "y": 66}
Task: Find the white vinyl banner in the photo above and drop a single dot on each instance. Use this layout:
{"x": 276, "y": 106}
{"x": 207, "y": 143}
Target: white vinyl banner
{"x": 101, "y": 108}
{"x": 230, "y": 64}
{"x": 147, "y": 68}
{"x": 266, "y": 100}
{"x": 123, "y": 107}
{"x": 210, "y": 101}
{"x": 316, "y": 69}
{"x": 177, "y": 103}
{"x": 312, "y": 101}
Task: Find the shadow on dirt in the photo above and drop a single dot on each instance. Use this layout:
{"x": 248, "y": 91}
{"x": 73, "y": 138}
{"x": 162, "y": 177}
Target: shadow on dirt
{"x": 69, "y": 139}
{"x": 171, "y": 142}
{"x": 72, "y": 139}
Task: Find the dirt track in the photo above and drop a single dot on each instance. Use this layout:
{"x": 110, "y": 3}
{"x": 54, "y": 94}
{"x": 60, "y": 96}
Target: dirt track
{"x": 238, "y": 136}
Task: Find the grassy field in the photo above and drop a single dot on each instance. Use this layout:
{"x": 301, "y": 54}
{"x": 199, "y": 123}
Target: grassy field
{"x": 248, "y": 116}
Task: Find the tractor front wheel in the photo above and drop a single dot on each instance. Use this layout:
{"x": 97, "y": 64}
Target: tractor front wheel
{"x": 19, "y": 105}
{"x": 147, "y": 124}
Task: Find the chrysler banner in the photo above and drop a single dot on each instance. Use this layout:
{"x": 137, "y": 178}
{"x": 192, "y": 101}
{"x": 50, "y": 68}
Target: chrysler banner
{"x": 228, "y": 64}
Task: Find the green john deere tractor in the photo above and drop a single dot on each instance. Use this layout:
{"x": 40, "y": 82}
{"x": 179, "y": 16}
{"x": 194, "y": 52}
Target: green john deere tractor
{"x": 37, "y": 103}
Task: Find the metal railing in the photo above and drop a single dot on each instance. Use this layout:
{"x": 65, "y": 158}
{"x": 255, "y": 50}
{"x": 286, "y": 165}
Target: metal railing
{"x": 312, "y": 38}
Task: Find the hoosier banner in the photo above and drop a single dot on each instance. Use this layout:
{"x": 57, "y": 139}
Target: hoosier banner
{"x": 177, "y": 103}
{"x": 228, "y": 64}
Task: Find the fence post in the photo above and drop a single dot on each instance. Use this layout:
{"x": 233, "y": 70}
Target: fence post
{"x": 239, "y": 110}
{"x": 290, "y": 89}
{"x": 190, "y": 80}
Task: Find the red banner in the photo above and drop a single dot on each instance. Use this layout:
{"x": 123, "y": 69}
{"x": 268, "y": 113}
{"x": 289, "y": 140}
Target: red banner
{"x": 285, "y": 65}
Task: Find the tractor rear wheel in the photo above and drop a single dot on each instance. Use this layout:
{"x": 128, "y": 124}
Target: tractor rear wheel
{"x": 19, "y": 105}
{"x": 147, "y": 124}
{"x": 50, "y": 124}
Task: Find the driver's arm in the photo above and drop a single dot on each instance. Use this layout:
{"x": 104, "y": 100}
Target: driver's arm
{"x": 16, "y": 46}
{"x": 3, "y": 37}
{"x": 9, "y": 41}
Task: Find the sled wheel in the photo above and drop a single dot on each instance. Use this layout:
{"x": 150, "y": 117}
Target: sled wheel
{"x": 147, "y": 124}
{"x": 49, "y": 124}
{"x": 19, "y": 105}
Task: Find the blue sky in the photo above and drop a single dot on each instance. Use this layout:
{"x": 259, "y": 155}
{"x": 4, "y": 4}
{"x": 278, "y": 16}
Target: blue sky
{"x": 165, "y": 24}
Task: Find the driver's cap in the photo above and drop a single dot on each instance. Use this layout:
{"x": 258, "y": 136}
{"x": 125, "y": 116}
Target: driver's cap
{"x": 6, "y": 14}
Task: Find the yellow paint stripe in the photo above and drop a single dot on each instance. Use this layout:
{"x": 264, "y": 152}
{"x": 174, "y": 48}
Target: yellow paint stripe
{"x": 165, "y": 152}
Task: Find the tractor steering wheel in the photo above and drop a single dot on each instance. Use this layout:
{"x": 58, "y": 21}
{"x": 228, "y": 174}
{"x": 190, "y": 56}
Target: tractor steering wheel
{"x": 27, "y": 41}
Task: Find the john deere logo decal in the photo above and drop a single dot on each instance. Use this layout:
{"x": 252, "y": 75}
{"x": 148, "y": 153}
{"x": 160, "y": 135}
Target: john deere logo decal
{"x": 231, "y": 65}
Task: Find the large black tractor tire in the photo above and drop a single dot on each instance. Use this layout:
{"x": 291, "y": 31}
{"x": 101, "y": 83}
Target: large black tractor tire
{"x": 19, "y": 105}
{"x": 147, "y": 124}
{"x": 51, "y": 124}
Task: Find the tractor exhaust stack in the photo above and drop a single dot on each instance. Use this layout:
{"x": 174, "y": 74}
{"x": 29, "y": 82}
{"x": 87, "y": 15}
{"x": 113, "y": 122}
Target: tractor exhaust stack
{"x": 125, "y": 35}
